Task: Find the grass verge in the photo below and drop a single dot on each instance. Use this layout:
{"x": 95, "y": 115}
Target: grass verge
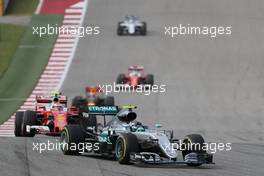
{"x": 21, "y": 7}
{"x": 26, "y": 66}
{"x": 9, "y": 39}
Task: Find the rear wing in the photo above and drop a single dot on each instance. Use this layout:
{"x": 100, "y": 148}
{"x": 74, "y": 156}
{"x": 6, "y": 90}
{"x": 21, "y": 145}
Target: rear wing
{"x": 99, "y": 110}
{"x": 139, "y": 68}
{"x": 102, "y": 110}
{"x": 49, "y": 99}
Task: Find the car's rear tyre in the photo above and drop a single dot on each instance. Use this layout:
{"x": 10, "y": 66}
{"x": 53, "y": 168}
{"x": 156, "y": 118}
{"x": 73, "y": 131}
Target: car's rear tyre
{"x": 18, "y": 123}
{"x": 144, "y": 29}
{"x": 78, "y": 101}
{"x": 125, "y": 144}
{"x": 195, "y": 139}
{"x": 71, "y": 137}
{"x": 149, "y": 79}
{"x": 120, "y": 79}
{"x": 29, "y": 118}
{"x": 109, "y": 101}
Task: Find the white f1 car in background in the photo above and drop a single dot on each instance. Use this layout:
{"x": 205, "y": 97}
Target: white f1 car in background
{"x": 131, "y": 26}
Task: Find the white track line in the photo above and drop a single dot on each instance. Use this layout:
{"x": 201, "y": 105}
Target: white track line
{"x": 39, "y": 7}
{"x": 60, "y": 50}
{"x": 65, "y": 45}
{"x": 73, "y": 10}
{"x": 71, "y": 21}
{"x": 66, "y": 40}
{"x": 57, "y": 68}
{"x": 72, "y": 16}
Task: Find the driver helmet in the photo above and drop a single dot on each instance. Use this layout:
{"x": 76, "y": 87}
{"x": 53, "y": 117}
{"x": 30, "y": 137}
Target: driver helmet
{"x": 134, "y": 73}
{"x": 137, "y": 127}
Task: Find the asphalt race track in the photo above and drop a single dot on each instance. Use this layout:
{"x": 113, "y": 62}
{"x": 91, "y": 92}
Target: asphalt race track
{"x": 214, "y": 86}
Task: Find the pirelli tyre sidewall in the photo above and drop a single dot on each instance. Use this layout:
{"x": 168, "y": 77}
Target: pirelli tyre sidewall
{"x": 193, "y": 139}
{"x": 144, "y": 29}
{"x": 150, "y": 79}
{"x": 18, "y": 123}
{"x": 119, "y": 28}
{"x": 109, "y": 101}
{"x": 79, "y": 101}
{"x": 29, "y": 119}
{"x": 71, "y": 135}
{"x": 121, "y": 79}
{"x": 125, "y": 144}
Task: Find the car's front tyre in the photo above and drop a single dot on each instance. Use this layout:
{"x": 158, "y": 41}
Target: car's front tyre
{"x": 149, "y": 79}
{"x": 125, "y": 144}
{"x": 70, "y": 139}
{"x": 144, "y": 29}
{"x": 109, "y": 101}
{"x": 120, "y": 79}
{"x": 119, "y": 29}
{"x": 191, "y": 141}
{"x": 79, "y": 101}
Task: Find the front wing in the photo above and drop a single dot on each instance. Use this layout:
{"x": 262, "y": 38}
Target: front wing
{"x": 155, "y": 159}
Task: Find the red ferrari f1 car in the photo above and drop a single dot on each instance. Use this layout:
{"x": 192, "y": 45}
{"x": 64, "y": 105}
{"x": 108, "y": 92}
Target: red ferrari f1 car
{"x": 135, "y": 77}
{"x": 49, "y": 117}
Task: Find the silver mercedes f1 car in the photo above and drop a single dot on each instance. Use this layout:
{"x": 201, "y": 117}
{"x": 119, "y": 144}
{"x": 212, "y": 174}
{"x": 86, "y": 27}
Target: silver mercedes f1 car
{"x": 129, "y": 141}
{"x": 131, "y": 26}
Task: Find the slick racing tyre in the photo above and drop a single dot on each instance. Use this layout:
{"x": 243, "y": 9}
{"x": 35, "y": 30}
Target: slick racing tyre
{"x": 71, "y": 137}
{"x": 119, "y": 29}
{"x": 126, "y": 143}
{"x": 120, "y": 79}
{"x": 193, "y": 139}
{"x": 78, "y": 101}
{"x": 144, "y": 29}
{"x": 30, "y": 119}
{"x": 150, "y": 79}
{"x": 109, "y": 101}
{"x": 18, "y": 123}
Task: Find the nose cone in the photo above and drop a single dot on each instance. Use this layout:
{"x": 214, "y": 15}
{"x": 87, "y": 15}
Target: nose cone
{"x": 60, "y": 120}
{"x": 134, "y": 82}
{"x": 131, "y": 29}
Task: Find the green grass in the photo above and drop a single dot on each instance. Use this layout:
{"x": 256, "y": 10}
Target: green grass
{"x": 9, "y": 39}
{"x": 21, "y": 7}
{"x": 26, "y": 66}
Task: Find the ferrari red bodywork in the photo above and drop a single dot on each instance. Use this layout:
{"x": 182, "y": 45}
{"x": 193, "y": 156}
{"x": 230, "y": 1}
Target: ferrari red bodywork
{"x": 54, "y": 115}
{"x": 134, "y": 77}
